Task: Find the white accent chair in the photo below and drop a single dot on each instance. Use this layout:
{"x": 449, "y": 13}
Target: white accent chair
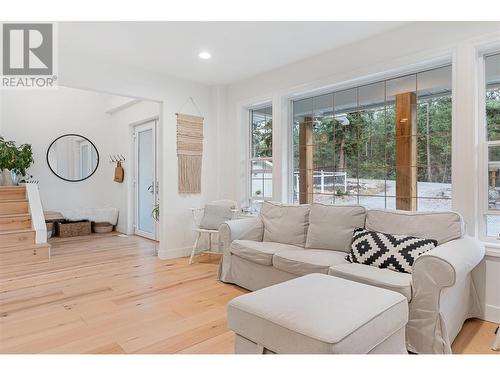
{"x": 208, "y": 220}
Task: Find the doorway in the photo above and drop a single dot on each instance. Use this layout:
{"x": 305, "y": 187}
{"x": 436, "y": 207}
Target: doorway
{"x": 145, "y": 178}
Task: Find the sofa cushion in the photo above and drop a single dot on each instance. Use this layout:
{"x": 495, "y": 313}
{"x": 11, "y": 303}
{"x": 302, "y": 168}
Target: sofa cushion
{"x": 382, "y": 278}
{"x": 331, "y": 227}
{"x": 259, "y": 252}
{"x": 285, "y": 223}
{"x": 439, "y": 226}
{"x": 307, "y": 261}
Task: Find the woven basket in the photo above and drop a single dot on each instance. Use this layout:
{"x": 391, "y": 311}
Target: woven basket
{"x": 102, "y": 227}
{"x": 50, "y": 229}
{"x": 73, "y": 228}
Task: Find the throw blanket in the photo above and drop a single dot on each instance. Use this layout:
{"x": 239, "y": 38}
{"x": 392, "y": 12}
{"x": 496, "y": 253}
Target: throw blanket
{"x": 98, "y": 215}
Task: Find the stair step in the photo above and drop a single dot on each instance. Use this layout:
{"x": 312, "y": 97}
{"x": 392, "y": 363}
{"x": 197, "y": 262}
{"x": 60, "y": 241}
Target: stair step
{"x": 24, "y": 254}
{"x": 15, "y": 221}
{"x": 17, "y": 237}
{"x": 12, "y": 193}
{"x": 14, "y": 206}
{"x": 21, "y": 247}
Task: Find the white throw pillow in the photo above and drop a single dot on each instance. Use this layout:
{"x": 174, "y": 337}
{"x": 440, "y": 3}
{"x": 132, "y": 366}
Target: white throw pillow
{"x": 331, "y": 227}
{"x": 285, "y": 223}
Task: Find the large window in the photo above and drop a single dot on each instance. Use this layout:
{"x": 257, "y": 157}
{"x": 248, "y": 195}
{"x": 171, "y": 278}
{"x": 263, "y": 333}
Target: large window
{"x": 261, "y": 153}
{"x": 383, "y": 145}
{"x": 492, "y": 143}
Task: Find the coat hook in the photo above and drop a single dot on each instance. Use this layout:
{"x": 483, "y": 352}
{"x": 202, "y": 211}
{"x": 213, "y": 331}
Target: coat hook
{"x": 115, "y": 158}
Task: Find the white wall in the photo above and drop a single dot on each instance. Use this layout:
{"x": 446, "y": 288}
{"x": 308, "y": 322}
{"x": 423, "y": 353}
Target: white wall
{"x": 38, "y": 117}
{"x": 176, "y": 238}
{"x": 403, "y": 50}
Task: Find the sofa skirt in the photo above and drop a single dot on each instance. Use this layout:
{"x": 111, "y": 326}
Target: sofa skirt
{"x": 391, "y": 345}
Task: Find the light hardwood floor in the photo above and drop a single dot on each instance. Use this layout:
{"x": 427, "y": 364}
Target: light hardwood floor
{"x": 111, "y": 294}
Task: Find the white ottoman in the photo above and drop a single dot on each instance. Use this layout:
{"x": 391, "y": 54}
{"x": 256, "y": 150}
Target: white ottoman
{"x": 317, "y": 314}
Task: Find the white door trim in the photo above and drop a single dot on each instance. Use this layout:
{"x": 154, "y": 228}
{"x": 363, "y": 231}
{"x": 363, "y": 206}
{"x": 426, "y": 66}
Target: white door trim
{"x": 147, "y": 124}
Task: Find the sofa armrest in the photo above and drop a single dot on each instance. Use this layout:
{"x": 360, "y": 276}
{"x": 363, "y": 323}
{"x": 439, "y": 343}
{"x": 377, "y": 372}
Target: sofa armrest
{"x": 449, "y": 261}
{"x": 241, "y": 229}
{"x": 434, "y": 312}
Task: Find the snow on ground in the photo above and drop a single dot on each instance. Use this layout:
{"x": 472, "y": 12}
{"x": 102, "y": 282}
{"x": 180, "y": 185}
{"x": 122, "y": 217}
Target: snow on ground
{"x": 433, "y": 196}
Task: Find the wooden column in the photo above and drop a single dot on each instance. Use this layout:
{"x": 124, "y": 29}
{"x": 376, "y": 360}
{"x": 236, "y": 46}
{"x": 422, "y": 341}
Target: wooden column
{"x": 493, "y": 178}
{"x": 406, "y": 151}
{"x": 306, "y": 161}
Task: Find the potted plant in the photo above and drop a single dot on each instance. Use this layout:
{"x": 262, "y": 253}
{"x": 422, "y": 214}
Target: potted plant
{"x": 156, "y": 212}
{"x": 24, "y": 160}
{"x": 14, "y": 161}
{"x": 7, "y": 158}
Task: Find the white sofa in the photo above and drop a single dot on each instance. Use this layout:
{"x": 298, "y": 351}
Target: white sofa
{"x": 288, "y": 241}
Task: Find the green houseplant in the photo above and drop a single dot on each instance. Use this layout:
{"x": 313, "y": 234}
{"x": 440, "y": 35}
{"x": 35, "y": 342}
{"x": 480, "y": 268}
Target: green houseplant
{"x": 24, "y": 160}
{"x": 156, "y": 212}
{"x": 7, "y": 154}
{"x": 14, "y": 162}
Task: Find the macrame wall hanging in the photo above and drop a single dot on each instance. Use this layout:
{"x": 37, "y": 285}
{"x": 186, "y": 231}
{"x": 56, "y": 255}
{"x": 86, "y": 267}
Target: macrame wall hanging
{"x": 189, "y": 151}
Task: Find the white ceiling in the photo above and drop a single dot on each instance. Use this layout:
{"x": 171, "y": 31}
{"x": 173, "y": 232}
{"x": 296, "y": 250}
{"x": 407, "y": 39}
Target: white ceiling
{"x": 239, "y": 49}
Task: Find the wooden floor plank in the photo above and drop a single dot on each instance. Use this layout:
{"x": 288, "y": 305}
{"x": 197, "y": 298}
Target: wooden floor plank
{"x": 110, "y": 294}
{"x": 476, "y": 337}
{"x": 222, "y": 344}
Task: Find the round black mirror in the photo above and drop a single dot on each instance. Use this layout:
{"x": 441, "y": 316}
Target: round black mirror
{"x": 72, "y": 157}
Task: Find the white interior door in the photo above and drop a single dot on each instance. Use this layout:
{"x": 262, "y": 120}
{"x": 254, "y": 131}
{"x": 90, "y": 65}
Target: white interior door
{"x": 145, "y": 179}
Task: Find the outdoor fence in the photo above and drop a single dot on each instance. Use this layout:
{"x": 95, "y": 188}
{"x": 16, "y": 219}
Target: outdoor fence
{"x": 329, "y": 182}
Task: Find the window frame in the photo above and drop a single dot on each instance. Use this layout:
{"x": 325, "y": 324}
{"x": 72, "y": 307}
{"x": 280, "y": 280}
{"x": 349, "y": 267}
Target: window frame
{"x": 250, "y": 159}
{"x": 416, "y": 69}
{"x": 483, "y": 146}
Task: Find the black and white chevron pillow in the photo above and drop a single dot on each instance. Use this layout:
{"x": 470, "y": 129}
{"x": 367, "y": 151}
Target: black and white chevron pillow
{"x": 394, "y": 251}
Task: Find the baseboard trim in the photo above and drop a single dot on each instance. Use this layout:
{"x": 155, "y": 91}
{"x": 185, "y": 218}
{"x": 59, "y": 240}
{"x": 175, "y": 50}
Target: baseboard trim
{"x": 492, "y": 313}
{"x": 174, "y": 253}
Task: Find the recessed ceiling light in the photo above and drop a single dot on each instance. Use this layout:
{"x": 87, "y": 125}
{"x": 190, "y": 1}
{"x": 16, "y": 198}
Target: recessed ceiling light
{"x": 204, "y": 55}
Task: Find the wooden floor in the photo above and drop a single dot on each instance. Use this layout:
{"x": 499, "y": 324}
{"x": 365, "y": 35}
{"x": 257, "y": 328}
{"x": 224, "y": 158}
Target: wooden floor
{"x": 111, "y": 294}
